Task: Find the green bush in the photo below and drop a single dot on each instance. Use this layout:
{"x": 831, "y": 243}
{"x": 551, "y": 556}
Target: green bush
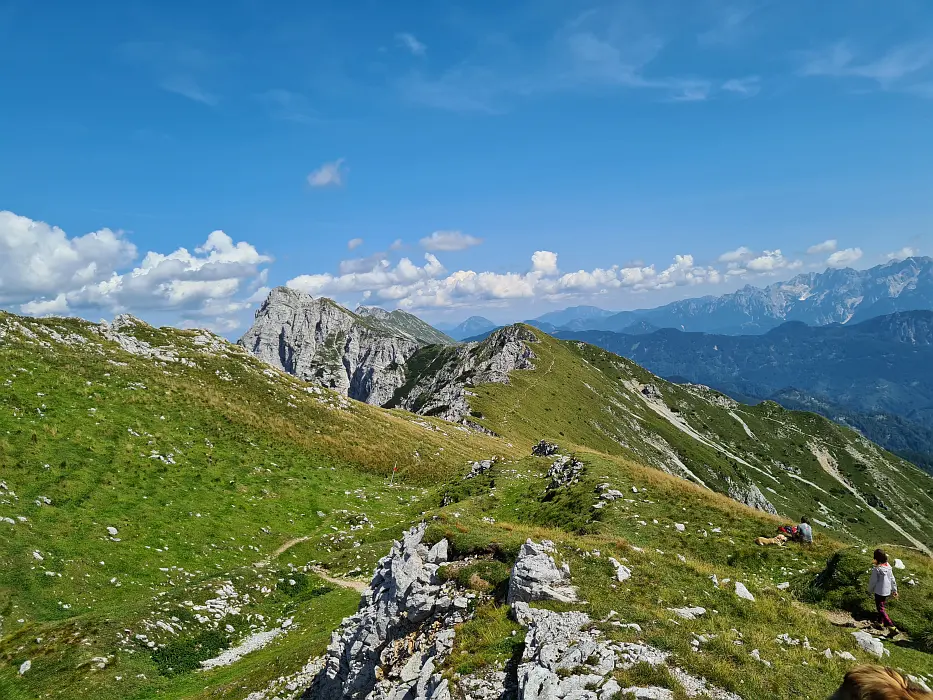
{"x": 304, "y": 586}
{"x": 183, "y": 655}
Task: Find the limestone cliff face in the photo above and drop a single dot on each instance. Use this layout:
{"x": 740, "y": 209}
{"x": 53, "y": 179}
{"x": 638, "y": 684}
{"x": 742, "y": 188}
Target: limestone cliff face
{"x": 439, "y": 380}
{"x": 379, "y": 357}
{"x": 320, "y": 341}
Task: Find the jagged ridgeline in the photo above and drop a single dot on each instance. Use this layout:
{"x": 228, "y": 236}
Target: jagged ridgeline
{"x": 522, "y": 384}
{"x": 185, "y": 517}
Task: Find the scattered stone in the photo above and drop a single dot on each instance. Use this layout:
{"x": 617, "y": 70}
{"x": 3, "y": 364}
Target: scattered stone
{"x": 680, "y": 527}
{"x": 898, "y": 564}
{"x": 25, "y": 666}
{"x": 688, "y": 613}
{"x": 112, "y": 531}
{"x": 479, "y": 468}
{"x": 623, "y": 573}
{"x": 742, "y": 592}
{"x": 564, "y": 471}
{"x": 783, "y": 586}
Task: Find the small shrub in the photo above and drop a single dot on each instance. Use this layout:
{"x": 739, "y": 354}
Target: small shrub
{"x": 183, "y": 655}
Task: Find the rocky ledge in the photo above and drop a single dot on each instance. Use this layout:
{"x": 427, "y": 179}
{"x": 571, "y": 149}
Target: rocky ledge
{"x": 395, "y": 646}
{"x": 392, "y": 647}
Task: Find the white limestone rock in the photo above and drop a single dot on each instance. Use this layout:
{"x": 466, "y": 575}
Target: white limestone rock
{"x": 536, "y": 576}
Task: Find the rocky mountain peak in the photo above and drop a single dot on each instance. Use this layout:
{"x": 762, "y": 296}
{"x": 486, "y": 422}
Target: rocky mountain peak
{"x": 318, "y": 340}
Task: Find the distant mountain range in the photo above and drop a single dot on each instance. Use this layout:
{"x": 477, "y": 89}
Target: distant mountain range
{"x": 876, "y": 375}
{"x": 474, "y": 325}
{"x": 815, "y": 298}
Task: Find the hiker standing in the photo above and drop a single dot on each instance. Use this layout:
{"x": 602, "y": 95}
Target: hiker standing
{"x": 882, "y": 585}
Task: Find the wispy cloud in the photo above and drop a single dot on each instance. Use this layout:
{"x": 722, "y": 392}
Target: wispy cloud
{"x": 844, "y": 258}
{"x": 175, "y": 68}
{"x": 288, "y": 106}
{"x": 904, "y": 68}
{"x": 827, "y": 246}
{"x": 609, "y": 48}
{"x": 331, "y": 174}
{"x": 747, "y": 87}
{"x": 354, "y": 243}
{"x": 410, "y": 43}
{"x": 448, "y": 241}
{"x": 731, "y": 24}
{"x": 187, "y": 86}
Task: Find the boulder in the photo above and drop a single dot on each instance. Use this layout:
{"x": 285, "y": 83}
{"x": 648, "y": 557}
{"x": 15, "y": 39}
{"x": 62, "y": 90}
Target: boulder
{"x": 742, "y": 592}
{"x": 870, "y": 644}
{"x": 545, "y": 449}
{"x": 536, "y": 576}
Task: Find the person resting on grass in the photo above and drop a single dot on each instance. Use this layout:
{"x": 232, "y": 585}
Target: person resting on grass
{"x": 882, "y": 585}
{"x": 802, "y": 533}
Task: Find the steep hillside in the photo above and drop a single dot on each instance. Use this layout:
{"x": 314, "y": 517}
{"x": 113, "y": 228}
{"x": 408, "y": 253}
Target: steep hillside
{"x": 208, "y": 465}
{"x": 361, "y": 356}
{"x": 765, "y": 456}
{"x": 181, "y": 520}
{"x": 815, "y": 298}
{"x": 883, "y": 366}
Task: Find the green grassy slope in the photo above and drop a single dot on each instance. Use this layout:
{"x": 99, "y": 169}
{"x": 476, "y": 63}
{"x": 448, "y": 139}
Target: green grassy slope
{"x": 219, "y": 473}
{"x": 672, "y": 569}
{"x": 205, "y": 466}
{"x": 580, "y": 395}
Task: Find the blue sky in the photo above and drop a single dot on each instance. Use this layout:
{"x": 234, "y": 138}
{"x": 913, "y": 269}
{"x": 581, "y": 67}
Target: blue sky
{"x": 175, "y": 159}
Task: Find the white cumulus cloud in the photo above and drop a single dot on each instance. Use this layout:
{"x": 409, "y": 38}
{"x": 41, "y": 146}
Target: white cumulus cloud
{"x": 827, "y": 246}
{"x": 39, "y": 260}
{"x": 43, "y": 271}
{"x": 544, "y": 261}
{"x": 744, "y": 260}
{"x": 844, "y": 258}
{"x": 449, "y": 241}
{"x": 902, "y": 254}
{"x": 354, "y": 243}
{"x": 430, "y": 285}
{"x": 331, "y": 174}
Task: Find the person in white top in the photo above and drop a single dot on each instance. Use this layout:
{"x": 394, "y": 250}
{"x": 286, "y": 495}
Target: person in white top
{"x": 882, "y": 585}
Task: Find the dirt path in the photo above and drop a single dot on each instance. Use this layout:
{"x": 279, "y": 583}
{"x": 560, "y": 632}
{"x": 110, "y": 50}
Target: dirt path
{"x": 288, "y": 545}
{"x": 359, "y": 586}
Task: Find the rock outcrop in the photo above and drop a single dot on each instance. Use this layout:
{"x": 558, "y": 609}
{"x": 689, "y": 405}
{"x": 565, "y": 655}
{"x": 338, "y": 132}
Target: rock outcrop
{"x": 536, "y": 576}
{"x": 392, "y": 648}
{"x": 318, "y": 340}
{"x": 443, "y": 385}
{"x": 750, "y": 495}
{"x": 563, "y": 659}
{"x": 380, "y": 357}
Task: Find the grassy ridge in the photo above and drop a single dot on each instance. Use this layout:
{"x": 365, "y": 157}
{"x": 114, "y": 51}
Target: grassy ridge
{"x": 205, "y": 467}
{"x": 218, "y": 471}
{"x": 583, "y": 396}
